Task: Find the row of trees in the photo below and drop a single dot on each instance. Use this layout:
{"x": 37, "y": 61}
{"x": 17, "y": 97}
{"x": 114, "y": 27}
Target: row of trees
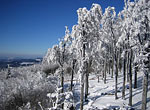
{"x": 107, "y": 43}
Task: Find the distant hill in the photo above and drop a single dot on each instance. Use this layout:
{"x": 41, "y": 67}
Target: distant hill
{"x": 16, "y": 62}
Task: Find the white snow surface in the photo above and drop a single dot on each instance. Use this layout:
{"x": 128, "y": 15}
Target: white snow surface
{"x": 101, "y": 96}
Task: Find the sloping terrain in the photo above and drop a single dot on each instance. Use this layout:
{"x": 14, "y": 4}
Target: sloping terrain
{"x": 101, "y": 96}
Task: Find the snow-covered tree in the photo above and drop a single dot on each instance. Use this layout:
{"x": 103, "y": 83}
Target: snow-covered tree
{"x": 141, "y": 20}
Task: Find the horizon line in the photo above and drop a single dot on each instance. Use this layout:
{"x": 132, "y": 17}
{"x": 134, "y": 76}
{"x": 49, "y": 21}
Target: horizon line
{"x": 22, "y": 55}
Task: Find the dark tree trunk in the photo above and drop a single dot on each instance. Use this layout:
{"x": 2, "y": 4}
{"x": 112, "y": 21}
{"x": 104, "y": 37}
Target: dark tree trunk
{"x": 103, "y": 70}
{"x": 130, "y": 79}
{"x": 109, "y": 67}
{"x": 112, "y": 70}
{"x": 128, "y": 63}
{"x": 146, "y": 65}
{"x": 105, "y": 67}
{"x": 86, "y": 85}
{"x": 98, "y": 78}
{"x": 109, "y": 61}
{"x": 87, "y": 79}
{"x": 135, "y": 78}
{"x": 72, "y": 73}
{"x": 119, "y": 61}
{"x": 62, "y": 81}
{"x": 145, "y": 89}
{"x": 71, "y": 86}
{"x": 124, "y": 76}
{"x": 116, "y": 74}
{"x": 128, "y": 57}
{"x": 116, "y": 82}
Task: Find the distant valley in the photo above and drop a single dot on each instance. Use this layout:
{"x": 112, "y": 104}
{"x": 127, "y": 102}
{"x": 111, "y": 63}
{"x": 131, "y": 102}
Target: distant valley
{"x": 17, "y": 62}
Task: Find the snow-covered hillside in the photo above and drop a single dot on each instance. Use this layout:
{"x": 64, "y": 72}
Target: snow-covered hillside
{"x": 101, "y": 96}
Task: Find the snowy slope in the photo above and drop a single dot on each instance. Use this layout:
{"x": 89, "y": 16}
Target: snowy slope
{"x": 101, "y": 96}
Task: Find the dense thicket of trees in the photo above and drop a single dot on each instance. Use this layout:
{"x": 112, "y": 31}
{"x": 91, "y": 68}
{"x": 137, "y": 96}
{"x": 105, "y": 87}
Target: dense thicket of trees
{"x": 106, "y": 43}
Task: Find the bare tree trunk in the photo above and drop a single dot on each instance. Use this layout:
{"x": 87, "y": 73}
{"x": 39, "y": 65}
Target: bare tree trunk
{"x": 62, "y": 81}
{"x": 87, "y": 79}
{"x": 119, "y": 61}
{"x": 82, "y": 92}
{"x": 98, "y": 78}
{"x": 124, "y": 76}
{"x": 62, "y": 86}
{"x": 82, "y": 80}
{"x": 71, "y": 85}
{"x": 112, "y": 71}
{"x": 109, "y": 67}
{"x": 62, "y": 74}
{"x": 105, "y": 67}
{"x": 145, "y": 89}
{"x": 135, "y": 78}
{"x": 103, "y": 70}
{"x": 73, "y": 65}
{"x": 86, "y": 85}
{"x": 128, "y": 62}
{"x": 128, "y": 55}
{"x": 116, "y": 74}
{"x": 146, "y": 65}
{"x": 130, "y": 79}
{"x": 116, "y": 82}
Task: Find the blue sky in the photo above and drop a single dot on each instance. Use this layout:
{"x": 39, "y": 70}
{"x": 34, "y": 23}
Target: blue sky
{"x": 30, "y": 27}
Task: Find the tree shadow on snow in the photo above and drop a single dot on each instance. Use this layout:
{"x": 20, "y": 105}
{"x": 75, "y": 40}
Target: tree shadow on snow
{"x": 100, "y": 89}
{"x": 140, "y": 102}
{"x": 139, "y": 88}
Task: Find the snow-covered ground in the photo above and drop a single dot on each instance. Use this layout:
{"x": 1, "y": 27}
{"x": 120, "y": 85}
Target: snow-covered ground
{"x": 101, "y": 96}
{"x": 26, "y": 63}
